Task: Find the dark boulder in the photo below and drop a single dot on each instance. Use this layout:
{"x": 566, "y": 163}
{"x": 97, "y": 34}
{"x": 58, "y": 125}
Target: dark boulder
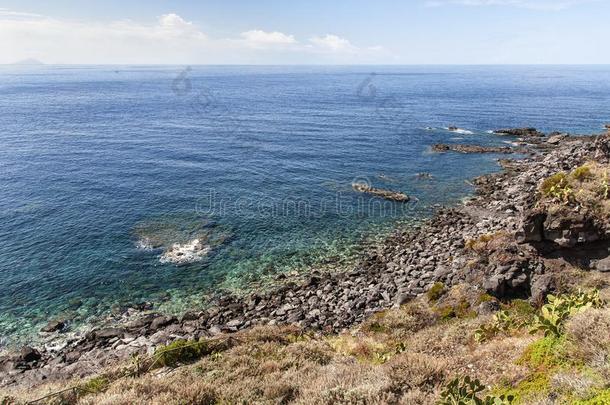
{"x": 107, "y": 333}
{"x": 162, "y": 321}
{"x": 532, "y": 227}
{"x": 54, "y": 326}
{"x": 142, "y": 322}
{"x": 569, "y": 228}
{"x": 29, "y": 354}
{"x": 542, "y": 285}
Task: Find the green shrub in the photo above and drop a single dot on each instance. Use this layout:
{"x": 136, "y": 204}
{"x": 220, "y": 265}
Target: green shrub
{"x": 582, "y": 173}
{"x": 536, "y": 386}
{"x": 559, "y": 309}
{"x": 465, "y": 391}
{"x": 544, "y": 353}
{"x": 516, "y": 315}
{"x": 461, "y": 310}
{"x": 557, "y": 187}
{"x": 95, "y": 385}
{"x": 180, "y": 351}
{"x": 485, "y": 298}
{"x": 521, "y": 309}
{"x": 502, "y": 322}
{"x": 602, "y": 398}
{"x": 436, "y": 292}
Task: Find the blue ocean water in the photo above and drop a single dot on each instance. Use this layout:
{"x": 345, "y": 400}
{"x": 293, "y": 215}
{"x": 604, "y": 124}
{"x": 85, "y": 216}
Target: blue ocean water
{"x": 103, "y": 168}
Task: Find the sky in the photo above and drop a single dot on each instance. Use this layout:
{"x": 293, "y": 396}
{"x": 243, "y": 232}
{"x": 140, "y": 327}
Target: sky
{"x": 306, "y": 32}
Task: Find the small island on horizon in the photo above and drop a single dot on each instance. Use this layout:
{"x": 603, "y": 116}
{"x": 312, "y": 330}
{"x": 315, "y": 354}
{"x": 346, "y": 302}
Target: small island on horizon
{"x": 28, "y": 62}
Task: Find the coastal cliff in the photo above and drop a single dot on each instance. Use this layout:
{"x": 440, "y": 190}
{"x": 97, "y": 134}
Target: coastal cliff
{"x": 430, "y": 307}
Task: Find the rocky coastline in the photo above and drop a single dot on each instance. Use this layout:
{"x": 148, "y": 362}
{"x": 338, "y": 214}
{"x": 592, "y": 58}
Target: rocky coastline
{"x": 407, "y": 264}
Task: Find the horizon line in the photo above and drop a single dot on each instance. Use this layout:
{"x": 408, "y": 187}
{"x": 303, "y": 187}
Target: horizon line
{"x": 300, "y": 64}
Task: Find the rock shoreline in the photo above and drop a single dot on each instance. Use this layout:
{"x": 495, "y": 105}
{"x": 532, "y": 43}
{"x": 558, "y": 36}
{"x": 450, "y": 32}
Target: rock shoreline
{"x": 405, "y": 265}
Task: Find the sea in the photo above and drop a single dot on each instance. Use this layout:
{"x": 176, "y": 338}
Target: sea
{"x": 137, "y": 186}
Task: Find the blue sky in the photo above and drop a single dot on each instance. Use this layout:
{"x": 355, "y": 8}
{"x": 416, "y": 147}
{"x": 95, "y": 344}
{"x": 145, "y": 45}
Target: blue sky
{"x": 316, "y": 32}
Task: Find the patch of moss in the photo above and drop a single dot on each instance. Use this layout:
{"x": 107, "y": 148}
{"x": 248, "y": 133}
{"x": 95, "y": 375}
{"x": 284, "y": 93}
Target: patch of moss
{"x": 582, "y": 173}
{"x": 95, "y": 385}
{"x": 545, "y": 354}
{"x": 535, "y": 386}
{"x": 555, "y": 182}
{"x": 520, "y": 311}
{"x": 601, "y": 398}
{"x": 436, "y": 292}
{"x": 375, "y": 327}
{"x": 461, "y": 310}
{"x": 180, "y": 351}
{"x": 445, "y": 312}
{"x": 484, "y": 297}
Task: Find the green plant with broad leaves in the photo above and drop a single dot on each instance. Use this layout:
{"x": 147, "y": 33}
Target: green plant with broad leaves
{"x": 465, "y": 391}
{"x": 501, "y": 322}
{"x": 554, "y": 314}
{"x": 558, "y": 187}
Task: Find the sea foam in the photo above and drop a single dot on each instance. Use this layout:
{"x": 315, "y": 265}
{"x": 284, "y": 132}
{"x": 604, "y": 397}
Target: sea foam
{"x": 189, "y": 252}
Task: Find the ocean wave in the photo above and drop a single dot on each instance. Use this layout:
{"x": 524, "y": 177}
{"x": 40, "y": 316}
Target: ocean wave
{"x": 145, "y": 244}
{"x": 460, "y": 131}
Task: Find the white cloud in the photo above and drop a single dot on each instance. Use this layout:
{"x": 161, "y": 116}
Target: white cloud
{"x": 171, "y": 39}
{"x": 333, "y": 43}
{"x": 174, "y": 25}
{"x": 552, "y": 5}
{"x": 264, "y": 39}
{"x": 6, "y": 13}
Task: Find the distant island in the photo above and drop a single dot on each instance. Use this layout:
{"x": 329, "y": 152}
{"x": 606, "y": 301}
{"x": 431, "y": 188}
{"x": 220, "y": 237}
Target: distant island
{"x": 28, "y": 62}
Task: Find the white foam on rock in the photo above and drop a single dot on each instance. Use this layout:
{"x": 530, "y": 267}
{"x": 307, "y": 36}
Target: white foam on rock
{"x": 459, "y": 131}
{"x": 185, "y": 253}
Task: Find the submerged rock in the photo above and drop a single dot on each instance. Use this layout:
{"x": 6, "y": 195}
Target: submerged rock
{"x": 378, "y": 192}
{"x": 54, "y": 326}
{"x": 424, "y": 176}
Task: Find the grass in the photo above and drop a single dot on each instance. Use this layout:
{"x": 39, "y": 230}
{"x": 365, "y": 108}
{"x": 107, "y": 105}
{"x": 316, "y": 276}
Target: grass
{"x": 407, "y": 355}
{"x": 545, "y": 354}
{"x": 436, "y": 292}
{"x": 180, "y": 351}
{"x": 587, "y": 186}
{"x": 601, "y": 398}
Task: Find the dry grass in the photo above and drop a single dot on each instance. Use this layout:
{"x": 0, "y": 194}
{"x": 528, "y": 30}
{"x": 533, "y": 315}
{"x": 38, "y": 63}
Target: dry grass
{"x": 587, "y": 187}
{"x": 588, "y": 334}
{"x": 400, "y": 356}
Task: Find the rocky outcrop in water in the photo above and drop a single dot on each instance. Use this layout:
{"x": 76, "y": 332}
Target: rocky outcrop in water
{"x": 520, "y": 132}
{"x": 441, "y": 148}
{"x": 378, "y": 192}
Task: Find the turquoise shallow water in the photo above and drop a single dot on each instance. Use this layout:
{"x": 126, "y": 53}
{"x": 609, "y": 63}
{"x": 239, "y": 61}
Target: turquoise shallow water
{"x": 102, "y": 169}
